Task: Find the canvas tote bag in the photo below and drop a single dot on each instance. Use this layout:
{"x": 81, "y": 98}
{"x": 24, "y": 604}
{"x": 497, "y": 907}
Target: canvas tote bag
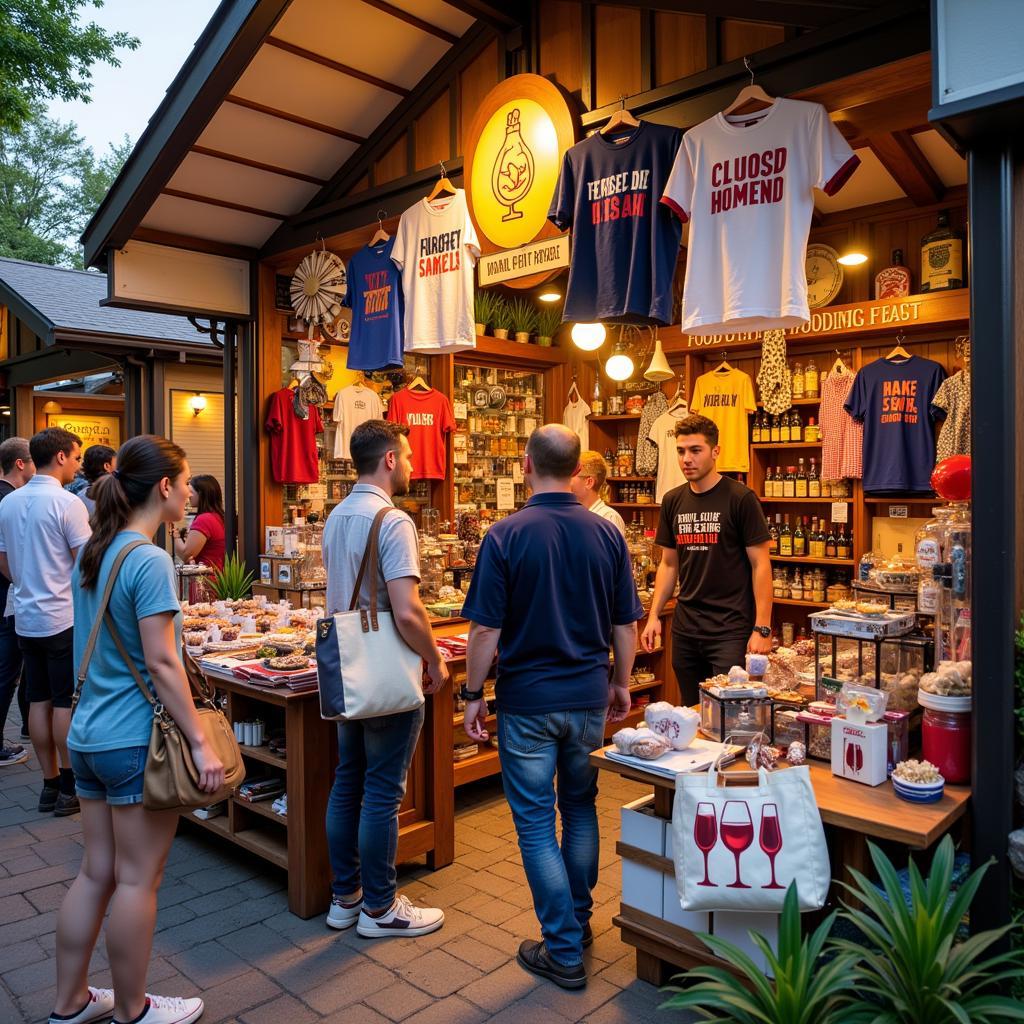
{"x": 739, "y": 847}
{"x": 364, "y": 667}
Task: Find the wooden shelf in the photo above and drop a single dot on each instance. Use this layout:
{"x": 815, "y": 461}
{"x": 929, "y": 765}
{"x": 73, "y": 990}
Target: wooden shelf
{"x": 263, "y": 842}
{"x": 640, "y": 687}
{"x": 797, "y": 402}
{"x": 631, "y": 479}
{"x": 512, "y": 350}
{"x": 480, "y": 767}
{"x": 790, "y": 602}
{"x": 807, "y": 560}
{"x": 262, "y": 808}
{"x": 903, "y": 501}
{"x": 769, "y": 445}
{"x": 634, "y": 504}
{"x": 805, "y": 501}
{"x": 264, "y": 755}
{"x": 618, "y": 418}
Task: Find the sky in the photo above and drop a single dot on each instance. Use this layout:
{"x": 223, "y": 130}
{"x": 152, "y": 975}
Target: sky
{"x": 124, "y": 98}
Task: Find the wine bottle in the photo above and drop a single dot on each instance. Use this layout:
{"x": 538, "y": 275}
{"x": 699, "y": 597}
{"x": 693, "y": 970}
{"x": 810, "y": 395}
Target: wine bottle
{"x": 844, "y": 547}
{"x": 786, "y": 539}
{"x": 799, "y": 539}
{"x": 769, "y": 483}
{"x": 942, "y": 257}
{"x": 813, "y": 481}
{"x": 797, "y": 385}
{"x": 773, "y": 536}
{"x": 780, "y": 487}
{"x": 811, "y": 379}
{"x": 800, "y": 484}
{"x": 830, "y": 543}
{"x": 755, "y": 430}
{"x": 784, "y": 435}
{"x": 795, "y": 426}
{"x": 893, "y": 282}
{"x": 789, "y": 484}
{"x": 776, "y": 430}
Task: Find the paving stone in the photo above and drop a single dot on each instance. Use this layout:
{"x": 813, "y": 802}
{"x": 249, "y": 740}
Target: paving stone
{"x": 209, "y": 964}
{"x": 174, "y": 892}
{"x": 398, "y": 1001}
{"x": 348, "y": 987}
{"x": 573, "y": 1005}
{"x": 59, "y": 851}
{"x": 486, "y": 908}
{"x": 48, "y": 827}
{"x": 476, "y": 953}
{"x": 9, "y": 1008}
{"x": 48, "y": 897}
{"x": 439, "y": 973}
{"x": 21, "y": 953}
{"x": 515, "y": 1014}
{"x": 21, "y": 858}
{"x": 17, "y": 908}
{"x": 282, "y": 1010}
{"x": 26, "y": 880}
{"x": 30, "y": 928}
{"x": 38, "y": 1005}
{"x": 508, "y": 984}
{"x": 483, "y": 840}
{"x": 234, "y": 997}
{"x": 360, "y": 1013}
{"x": 452, "y": 1010}
{"x": 23, "y": 980}
{"x": 257, "y": 941}
{"x": 172, "y": 916}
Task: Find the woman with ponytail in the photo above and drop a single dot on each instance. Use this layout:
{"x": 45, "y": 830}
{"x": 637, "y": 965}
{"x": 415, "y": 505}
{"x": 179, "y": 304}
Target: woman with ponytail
{"x": 126, "y": 846}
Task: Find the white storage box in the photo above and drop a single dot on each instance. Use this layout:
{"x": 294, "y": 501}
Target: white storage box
{"x": 694, "y": 920}
{"x": 642, "y": 885}
{"x": 860, "y": 752}
{"x": 735, "y": 926}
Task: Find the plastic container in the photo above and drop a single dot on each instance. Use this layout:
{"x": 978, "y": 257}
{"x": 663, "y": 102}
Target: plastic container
{"x": 946, "y": 735}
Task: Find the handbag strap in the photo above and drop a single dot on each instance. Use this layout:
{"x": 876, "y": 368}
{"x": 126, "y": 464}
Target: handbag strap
{"x": 370, "y": 556}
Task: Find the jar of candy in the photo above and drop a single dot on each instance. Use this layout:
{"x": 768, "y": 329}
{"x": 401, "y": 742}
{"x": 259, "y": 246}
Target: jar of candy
{"x": 946, "y": 735}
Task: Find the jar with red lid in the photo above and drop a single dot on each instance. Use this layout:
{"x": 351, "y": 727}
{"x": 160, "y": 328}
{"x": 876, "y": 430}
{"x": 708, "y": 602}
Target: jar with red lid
{"x": 946, "y": 735}
{"x": 634, "y": 405}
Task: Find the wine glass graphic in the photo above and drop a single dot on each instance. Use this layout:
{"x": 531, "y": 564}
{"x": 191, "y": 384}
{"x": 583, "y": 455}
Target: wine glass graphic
{"x": 771, "y": 839}
{"x": 854, "y": 757}
{"x": 737, "y": 834}
{"x": 705, "y": 835}
{"x": 513, "y": 171}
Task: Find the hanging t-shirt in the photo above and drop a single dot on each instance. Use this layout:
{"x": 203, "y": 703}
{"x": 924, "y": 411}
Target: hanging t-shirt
{"x": 428, "y": 415}
{"x": 842, "y": 437}
{"x": 746, "y": 185}
{"x": 436, "y": 249}
{"x": 726, "y": 399}
{"x": 894, "y": 402}
{"x": 293, "y": 455}
{"x": 574, "y": 416}
{"x": 353, "y": 405}
{"x": 710, "y": 533}
{"x": 663, "y": 434}
{"x": 954, "y": 400}
{"x": 375, "y": 297}
{"x": 624, "y": 247}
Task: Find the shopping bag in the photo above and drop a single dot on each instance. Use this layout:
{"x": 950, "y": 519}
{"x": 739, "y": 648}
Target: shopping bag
{"x": 739, "y": 847}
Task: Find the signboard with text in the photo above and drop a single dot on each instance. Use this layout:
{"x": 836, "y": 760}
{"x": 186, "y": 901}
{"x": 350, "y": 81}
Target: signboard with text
{"x": 91, "y": 429}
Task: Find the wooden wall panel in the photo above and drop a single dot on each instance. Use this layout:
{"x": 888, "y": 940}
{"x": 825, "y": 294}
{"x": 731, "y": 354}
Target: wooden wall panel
{"x": 616, "y": 53}
{"x": 561, "y": 39}
{"x": 433, "y": 133}
{"x": 393, "y": 164}
{"x": 740, "y": 38}
{"x": 475, "y": 82}
{"x": 680, "y": 46}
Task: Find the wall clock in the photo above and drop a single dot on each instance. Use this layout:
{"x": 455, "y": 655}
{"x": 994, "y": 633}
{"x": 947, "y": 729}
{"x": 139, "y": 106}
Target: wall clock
{"x": 824, "y": 275}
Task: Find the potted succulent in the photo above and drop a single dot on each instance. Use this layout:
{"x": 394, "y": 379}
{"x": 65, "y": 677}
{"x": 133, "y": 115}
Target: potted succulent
{"x": 483, "y": 309}
{"x": 548, "y": 322}
{"x": 524, "y": 319}
{"x": 501, "y": 317}
{"x": 233, "y": 582}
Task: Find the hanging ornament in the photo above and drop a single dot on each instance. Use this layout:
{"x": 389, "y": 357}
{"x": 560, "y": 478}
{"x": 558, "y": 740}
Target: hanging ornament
{"x": 317, "y": 288}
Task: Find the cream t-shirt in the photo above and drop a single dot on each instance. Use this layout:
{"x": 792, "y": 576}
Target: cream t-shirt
{"x": 574, "y": 416}
{"x": 663, "y": 434}
{"x": 600, "y": 508}
{"x": 353, "y": 405}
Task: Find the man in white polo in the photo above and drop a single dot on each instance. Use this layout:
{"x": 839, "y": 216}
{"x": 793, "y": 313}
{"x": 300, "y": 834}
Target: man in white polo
{"x": 587, "y": 485}
{"x": 42, "y": 526}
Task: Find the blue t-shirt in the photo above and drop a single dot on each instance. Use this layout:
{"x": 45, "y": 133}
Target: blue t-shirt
{"x": 375, "y": 297}
{"x": 554, "y": 578}
{"x": 624, "y": 241}
{"x": 112, "y": 713}
{"x": 894, "y": 401}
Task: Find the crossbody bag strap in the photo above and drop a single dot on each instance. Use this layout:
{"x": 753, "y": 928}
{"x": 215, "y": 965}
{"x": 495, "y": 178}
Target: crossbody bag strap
{"x": 101, "y": 612}
{"x": 369, "y": 557}
{"x": 158, "y": 708}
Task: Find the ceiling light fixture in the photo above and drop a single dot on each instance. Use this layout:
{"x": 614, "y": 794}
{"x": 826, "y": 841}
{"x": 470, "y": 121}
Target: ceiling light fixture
{"x": 852, "y": 259}
{"x": 549, "y": 296}
{"x": 197, "y": 403}
{"x": 658, "y": 370}
{"x": 52, "y": 408}
{"x": 620, "y": 364}
{"x": 588, "y": 337}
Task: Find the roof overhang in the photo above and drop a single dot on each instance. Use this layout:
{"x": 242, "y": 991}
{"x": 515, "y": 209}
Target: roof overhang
{"x": 53, "y": 364}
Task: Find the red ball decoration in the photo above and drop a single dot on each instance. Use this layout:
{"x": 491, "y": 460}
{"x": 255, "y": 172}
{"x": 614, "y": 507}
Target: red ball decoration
{"x": 951, "y": 478}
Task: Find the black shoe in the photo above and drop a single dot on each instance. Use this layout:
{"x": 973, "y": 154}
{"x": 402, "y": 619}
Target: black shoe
{"x": 588, "y": 936}
{"x": 48, "y": 799}
{"x": 535, "y": 958}
{"x": 67, "y": 804}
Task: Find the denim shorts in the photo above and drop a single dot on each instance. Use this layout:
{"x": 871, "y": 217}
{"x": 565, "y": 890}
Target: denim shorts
{"x": 112, "y": 775}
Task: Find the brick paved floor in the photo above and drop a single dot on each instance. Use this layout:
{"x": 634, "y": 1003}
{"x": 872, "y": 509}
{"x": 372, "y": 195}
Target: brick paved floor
{"x": 224, "y": 930}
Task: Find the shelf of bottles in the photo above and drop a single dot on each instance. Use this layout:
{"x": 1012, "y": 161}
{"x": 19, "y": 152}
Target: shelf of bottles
{"x": 628, "y": 489}
{"x": 496, "y": 410}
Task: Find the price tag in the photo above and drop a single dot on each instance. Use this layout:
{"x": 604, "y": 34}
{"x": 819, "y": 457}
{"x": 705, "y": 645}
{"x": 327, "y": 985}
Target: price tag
{"x": 840, "y": 512}
{"x": 517, "y": 473}
{"x": 460, "y": 410}
{"x": 506, "y": 493}
{"x": 529, "y": 425}
{"x": 898, "y": 511}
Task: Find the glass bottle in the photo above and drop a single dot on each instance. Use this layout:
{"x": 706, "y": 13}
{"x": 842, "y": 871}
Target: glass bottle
{"x": 811, "y": 379}
{"x": 799, "y": 539}
{"x": 818, "y": 593}
{"x": 800, "y": 483}
{"x": 813, "y": 481}
{"x": 755, "y": 429}
{"x": 831, "y": 543}
{"x": 795, "y": 425}
{"x": 597, "y": 402}
{"x": 796, "y": 591}
{"x": 789, "y": 484}
{"x": 786, "y": 539}
{"x": 769, "y": 483}
{"x": 773, "y": 536}
{"x": 775, "y": 431}
{"x": 893, "y": 282}
{"x": 811, "y": 433}
{"x": 784, "y": 435}
{"x": 942, "y": 257}
{"x": 844, "y": 544}
{"x": 797, "y": 381}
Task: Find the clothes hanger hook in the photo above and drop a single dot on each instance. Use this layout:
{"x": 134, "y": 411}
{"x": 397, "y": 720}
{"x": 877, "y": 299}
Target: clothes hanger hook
{"x": 444, "y": 173}
{"x": 749, "y": 65}
{"x": 381, "y": 214}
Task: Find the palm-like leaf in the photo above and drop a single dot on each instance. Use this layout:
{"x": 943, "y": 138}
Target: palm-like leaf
{"x": 524, "y": 316}
{"x": 233, "y": 582}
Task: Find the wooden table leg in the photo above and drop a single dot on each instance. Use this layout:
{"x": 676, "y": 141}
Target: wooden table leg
{"x": 438, "y": 734}
{"x": 651, "y": 969}
{"x": 663, "y": 801}
{"x": 850, "y": 850}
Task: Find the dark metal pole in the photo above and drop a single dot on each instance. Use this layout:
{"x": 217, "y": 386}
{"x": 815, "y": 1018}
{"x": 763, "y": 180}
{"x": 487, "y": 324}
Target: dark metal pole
{"x": 230, "y": 453}
{"x": 248, "y": 429}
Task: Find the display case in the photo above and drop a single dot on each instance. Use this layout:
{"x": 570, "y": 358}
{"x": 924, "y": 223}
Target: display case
{"x": 734, "y": 719}
{"x": 892, "y": 664}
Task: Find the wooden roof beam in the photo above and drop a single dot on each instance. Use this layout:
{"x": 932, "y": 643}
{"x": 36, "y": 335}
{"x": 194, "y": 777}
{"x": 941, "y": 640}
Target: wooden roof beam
{"x": 343, "y": 69}
{"x": 244, "y": 161}
{"x": 900, "y": 156}
{"x": 284, "y": 115}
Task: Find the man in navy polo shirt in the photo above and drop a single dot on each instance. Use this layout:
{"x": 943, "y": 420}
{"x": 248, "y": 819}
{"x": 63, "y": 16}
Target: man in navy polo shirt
{"x": 551, "y": 592}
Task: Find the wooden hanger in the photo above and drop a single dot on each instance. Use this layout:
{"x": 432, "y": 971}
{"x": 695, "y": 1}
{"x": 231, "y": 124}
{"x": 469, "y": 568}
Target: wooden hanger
{"x": 572, "y": 388}
{"x": 419, "y": 384}
{"x": 839, "y": 366}
{"x": 620, "y": 120}
{"x": 678, "y": 398}
{"x": 724, "y": 364}
{"x": 442, "y": 187}
{"x": 750, "y": 98}
{"x": 899, "y": 352}
{"x": 380, "y": 235}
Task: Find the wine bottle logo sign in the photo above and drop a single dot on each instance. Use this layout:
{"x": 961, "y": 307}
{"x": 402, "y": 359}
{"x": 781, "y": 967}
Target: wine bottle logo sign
{"x": 513, "y": 172}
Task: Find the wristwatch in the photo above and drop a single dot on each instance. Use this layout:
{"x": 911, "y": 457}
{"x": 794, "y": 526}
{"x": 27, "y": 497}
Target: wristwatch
{"x": 765, "y": 631}
{"x": 466, "y": 694}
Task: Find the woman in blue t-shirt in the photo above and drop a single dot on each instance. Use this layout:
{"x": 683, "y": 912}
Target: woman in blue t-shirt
{"x": 126, "y": 845}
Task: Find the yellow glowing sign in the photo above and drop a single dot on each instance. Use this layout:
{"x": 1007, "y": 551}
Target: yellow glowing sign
{"x": 90, "y": 429}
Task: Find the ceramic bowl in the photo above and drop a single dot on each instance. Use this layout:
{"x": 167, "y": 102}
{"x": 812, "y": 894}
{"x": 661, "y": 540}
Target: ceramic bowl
{"x": 919, "y": 792}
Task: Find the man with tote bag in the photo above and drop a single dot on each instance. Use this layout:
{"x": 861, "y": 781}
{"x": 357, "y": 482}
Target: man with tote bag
{"x": 374, "y": 753}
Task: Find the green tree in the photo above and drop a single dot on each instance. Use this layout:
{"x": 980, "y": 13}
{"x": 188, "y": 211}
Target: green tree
{"x": 50, "y": 185}
{"x": 46, "y": 52}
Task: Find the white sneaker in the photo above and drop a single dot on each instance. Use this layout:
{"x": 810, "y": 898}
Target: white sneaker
{"x": 171, "y": 1010}
{"x": 99, "y": 1007}
{"x": 343, "y": 915}
{"x": 403, "y": 920}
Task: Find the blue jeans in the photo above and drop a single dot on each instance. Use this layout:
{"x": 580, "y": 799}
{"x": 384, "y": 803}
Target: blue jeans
{"x": 374, "y": 755}
{"x": 10, "y": 669}
{"x": 116, "y": 776}
{"x": 532, "y": 748}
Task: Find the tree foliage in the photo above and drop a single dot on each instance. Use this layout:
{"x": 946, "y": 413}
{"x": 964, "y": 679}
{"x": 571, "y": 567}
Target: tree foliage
{"x": 46, "y": 52}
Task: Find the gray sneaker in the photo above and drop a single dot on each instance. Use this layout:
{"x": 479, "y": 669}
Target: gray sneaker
{"x": 13, "y": 753}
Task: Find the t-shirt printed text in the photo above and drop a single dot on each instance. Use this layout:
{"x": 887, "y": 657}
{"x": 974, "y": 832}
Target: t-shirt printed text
{"x": 751, "y": 180}
{"x": 607, "y": 201}
{"x": 696, "y": 530}
{"x": 899, "y": 401}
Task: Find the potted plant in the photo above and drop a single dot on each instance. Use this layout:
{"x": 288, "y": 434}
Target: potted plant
{"x": 501, "y": 317}
{"x": 548, "y": 322}
{"x": 233, "y": 582}
{"x": 483, "y": 309}
{"x": 524, "y": 319}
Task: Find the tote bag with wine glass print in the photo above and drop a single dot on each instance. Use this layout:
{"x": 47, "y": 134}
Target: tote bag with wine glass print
{"x": 739, "y": 847}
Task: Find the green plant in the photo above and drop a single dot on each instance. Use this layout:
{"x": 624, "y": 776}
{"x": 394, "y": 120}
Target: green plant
{"x": 483, "y": 306}
{"x": 913, "y": 972}
{"x": 1018, "y": 678}
{"x": 524, "y": 316}
{"x": 805, "y": 989}
{"x": 233, "y": 582}
{"x": 501, "y": 318}
{"x": 548, "y": 322}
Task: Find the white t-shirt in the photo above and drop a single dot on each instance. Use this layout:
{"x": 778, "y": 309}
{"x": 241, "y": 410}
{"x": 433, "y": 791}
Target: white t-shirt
{"x": 575, "y": 418}
{"x": 40, "y": 524}
{"x": 353, "y": 405}
{"x": 663, "y": 434}
{"x": 746, "y": 184}
{"x": 436, "y": 249}
{"x": 599, "y": 508}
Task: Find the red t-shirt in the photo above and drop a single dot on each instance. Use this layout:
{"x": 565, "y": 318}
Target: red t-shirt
{"x": 428, "y": 415}
{"x": 211, "y": 526}
{"x": 293, "y": 458}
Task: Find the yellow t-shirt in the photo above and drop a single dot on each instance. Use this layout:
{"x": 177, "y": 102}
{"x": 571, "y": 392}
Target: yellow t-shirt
{"x": 727, "y": 399}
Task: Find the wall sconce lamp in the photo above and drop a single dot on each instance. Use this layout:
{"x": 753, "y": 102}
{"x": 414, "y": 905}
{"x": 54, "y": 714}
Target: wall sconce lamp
{"x": 197, "y": 403}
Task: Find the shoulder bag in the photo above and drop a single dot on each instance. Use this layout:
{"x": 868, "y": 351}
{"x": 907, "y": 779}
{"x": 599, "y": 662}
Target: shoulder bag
{"x": 365, "y": 668}
{"x": 171, "y": 779}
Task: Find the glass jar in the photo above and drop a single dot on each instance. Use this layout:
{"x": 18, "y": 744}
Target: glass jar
{"x": 946, "y": 738}
{"x": 930, "y": 540}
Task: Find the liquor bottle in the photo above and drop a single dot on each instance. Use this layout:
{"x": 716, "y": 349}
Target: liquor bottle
{"x": 942, "y": 253}
{"x": 800, "y": 484}
{"x": 811, "y": 379}
{"x": 780, "y": 487}
{"x": 789, "y": 483}
{"x": 773, "y": 536}
{"x": 769, "y": 483}
{"x": 817, "y": 542}
{"x": 813, "y": 481}
{"x": 826, "y": 488}
{"x": 812, "y": 435}
{"x": 831, "y": 543}
{"x": 844, "y": 544}
{"x": 799, "y": 539}
{"x": 786, "y": 539}
{"x": 755, "y": 430}
{"x": 796, "y": 590}
{"x": 775, "y": 431}
{"x": 797, "y": 381}
{"x": 795, "y": 426}
{"x": 894, "y": 281}
{"x": 597, "y": 402}
{"x": 784, "y": 435}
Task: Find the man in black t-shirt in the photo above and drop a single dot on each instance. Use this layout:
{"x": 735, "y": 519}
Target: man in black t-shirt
{"x": 715, "y": 541}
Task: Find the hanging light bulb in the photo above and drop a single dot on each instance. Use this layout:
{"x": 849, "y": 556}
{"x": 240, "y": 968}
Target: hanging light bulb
{"x": 620, "y": 362}
{"x": 588, "y": 337}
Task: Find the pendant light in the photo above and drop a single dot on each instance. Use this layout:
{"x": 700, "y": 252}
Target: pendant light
{"x": 588, "y": 337}
{"x": 620, "y": 364}
{"x": 658, "y": 370}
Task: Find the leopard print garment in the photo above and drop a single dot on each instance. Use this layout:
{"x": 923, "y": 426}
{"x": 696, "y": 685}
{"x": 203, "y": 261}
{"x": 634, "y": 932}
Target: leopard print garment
{"x": 773, "y": 380}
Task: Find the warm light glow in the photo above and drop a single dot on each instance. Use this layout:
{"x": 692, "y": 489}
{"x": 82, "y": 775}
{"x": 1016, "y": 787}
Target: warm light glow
{"x": 619, "y": 366}
{"x": 853, "y": 259}
{"x": 197, "y": 403}
{"x": 53, "y": 408}
{"x": 588, "y": 336}
{"x": 549, "y": 296}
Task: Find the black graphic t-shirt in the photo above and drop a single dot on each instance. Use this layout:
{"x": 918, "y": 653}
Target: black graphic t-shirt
{"x": 624, "y": 242}
{"x": 711, "y": 532}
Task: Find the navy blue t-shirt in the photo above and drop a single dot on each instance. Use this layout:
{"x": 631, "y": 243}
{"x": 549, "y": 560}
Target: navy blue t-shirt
{"x": 894, "y": 401}
{"x": 554, "y": 578}
{"x": 624, "y": 241}
{"x": 375, "y": 298}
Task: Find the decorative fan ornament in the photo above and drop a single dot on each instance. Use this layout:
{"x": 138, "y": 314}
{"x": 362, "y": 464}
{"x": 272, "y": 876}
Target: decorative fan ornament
{"x": 318, "y": 285}
{"x": 339, "y": 329}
